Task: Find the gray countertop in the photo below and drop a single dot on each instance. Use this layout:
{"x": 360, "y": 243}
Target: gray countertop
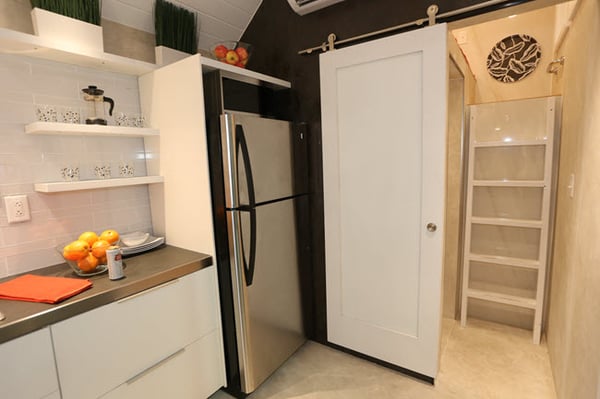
{"x": 141, "y": 272}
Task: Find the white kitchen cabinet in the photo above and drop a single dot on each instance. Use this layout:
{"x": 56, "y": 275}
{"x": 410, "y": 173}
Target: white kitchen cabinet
{"x": 188, "y": 373}
{"x": 145, "y": 335}
{"x": 27, "y": 368}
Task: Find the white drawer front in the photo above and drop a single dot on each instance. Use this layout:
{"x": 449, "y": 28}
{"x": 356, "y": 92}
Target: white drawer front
{"x": 27, "y": 367}
{"x": 101, "y": 349}
{"x": 192, "y": 373}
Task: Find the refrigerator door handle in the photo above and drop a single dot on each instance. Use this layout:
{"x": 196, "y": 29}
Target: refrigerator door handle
{"x": 240, "y": 305}
{"x": 242, "y": 147}
{"x": 249, "y": 266}
{"x": 229, "y": 154}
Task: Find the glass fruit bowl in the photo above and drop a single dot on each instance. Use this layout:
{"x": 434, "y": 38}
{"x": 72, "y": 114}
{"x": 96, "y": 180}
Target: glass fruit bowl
{"x": 232, "y": 52}
{"x": 87, "y": 266}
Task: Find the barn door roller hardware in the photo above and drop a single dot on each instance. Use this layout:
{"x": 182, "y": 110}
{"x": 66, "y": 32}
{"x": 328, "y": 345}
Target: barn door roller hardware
{"x": 555, "y": 65}
{"x": 432, "y": 16}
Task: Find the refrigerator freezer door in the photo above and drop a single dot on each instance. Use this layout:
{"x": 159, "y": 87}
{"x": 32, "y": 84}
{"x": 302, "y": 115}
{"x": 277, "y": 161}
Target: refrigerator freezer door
{"x": 270, "y": 146}
{"x": 269, "y": 308}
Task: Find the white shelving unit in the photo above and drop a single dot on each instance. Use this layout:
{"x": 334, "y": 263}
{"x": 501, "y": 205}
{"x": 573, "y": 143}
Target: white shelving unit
{"x": 58, "y": 187}
{"x": 509, "y": 187}
{"x": 209, "y": 64}
{"x": 14, "y": 42}
{"x": 71, "y": 129}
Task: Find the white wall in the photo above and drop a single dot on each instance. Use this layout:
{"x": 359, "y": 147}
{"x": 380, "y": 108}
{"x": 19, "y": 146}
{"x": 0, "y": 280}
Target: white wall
{"x": 27, "y": 159}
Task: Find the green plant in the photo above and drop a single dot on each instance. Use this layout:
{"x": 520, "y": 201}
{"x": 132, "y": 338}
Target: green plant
{"x": 175, "y": 27}
{"x": 84, "y": 10}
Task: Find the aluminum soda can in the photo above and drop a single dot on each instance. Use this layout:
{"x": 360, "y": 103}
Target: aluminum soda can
{"x": 115, "y": 263}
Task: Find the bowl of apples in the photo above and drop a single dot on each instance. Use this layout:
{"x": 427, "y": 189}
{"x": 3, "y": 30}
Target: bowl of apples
{"x": 87, "y": 255}
{"x": 232, "y": 53}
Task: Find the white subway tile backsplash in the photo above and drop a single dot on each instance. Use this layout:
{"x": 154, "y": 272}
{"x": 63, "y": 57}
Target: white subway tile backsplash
{"x": 17, "y": 111}
{"x": 15, "y": 173}
{"x": 27, "y": 159}
{"x": 28, "y": 261}
{"x": 134, "y": 16}
{"x": 52, "y": 81}
{"x": 12, "y": 189}
{"x": 3, "y": 268}
{"x": 59, "y": 101}
{"x": 67, "y": 200}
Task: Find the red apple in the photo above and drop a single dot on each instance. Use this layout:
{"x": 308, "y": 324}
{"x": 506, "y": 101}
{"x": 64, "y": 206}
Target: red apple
{"x": 240, "y": 64}
{"x": 242, "y": 53}
{"x": 220, "y": 51}
{"x": 231, "y": 57}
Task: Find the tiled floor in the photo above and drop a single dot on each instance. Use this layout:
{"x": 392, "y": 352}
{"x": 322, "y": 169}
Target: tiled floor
{"x": 482, "y": 361}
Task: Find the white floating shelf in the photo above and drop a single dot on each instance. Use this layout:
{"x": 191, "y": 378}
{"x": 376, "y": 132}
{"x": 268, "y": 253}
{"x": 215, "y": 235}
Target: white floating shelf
{"x": 505, "y": 260}
{"x": 14, "y": 42}
{"x": 57, "y": 187}
{"x": 508, "y": 222}
{"x": 71, "y": 129}
{"x": 509, "y": 183}
{"x": 209, "y": 64}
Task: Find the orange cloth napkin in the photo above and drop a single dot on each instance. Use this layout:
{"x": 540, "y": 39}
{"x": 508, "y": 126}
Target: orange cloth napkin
{"x": 44, "y": 289}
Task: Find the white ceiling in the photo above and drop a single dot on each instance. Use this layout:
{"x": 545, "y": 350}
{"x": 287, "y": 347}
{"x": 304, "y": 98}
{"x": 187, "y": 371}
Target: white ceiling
{"x": 218, "y": 20}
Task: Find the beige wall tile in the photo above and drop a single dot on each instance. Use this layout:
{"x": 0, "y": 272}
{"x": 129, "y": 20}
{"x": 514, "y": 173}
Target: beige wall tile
{"x": 128, "y": 42}
{"x": 15, "y": 15}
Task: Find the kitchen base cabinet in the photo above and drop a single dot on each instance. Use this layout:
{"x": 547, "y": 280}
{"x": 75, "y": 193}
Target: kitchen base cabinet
{"x": 27, "y": 367}
{"x": 100, "y": 350}
{"x": 187, "y": 373}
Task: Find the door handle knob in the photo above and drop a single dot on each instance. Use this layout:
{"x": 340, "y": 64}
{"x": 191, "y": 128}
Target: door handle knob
{"x": 431, "y": 227}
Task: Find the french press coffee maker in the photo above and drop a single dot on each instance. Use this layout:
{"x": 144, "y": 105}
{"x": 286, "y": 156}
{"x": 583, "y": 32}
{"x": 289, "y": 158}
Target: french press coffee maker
{"x": 96, "y": 99}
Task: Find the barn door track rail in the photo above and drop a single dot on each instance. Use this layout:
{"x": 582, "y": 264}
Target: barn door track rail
{"x": 432, "y": 16}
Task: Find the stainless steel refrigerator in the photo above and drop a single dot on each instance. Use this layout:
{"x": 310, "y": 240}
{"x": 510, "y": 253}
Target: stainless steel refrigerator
{"x": 256, "y": 200}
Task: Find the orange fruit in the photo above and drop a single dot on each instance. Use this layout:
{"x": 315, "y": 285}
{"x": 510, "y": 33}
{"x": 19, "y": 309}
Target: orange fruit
{"x": 89, "y": 236}
{"x": 88, "y": 264}
{"x": 110, "y": 235}
{"x": 76, "y": 250}
{"x": 99, "y": 248}
{"x": 103, "y": 261}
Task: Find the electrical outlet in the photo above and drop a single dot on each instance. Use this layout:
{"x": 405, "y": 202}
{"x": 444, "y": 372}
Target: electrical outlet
{"x": 17, "y": 208}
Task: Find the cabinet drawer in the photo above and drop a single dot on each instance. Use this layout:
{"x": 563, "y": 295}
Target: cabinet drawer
{"x": 101, "y": 349}
{"x": 27, "y": 367}
{"x": 194, "y": 372}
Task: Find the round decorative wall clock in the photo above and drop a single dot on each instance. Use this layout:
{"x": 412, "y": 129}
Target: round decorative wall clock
{"x": 514, "y": 58}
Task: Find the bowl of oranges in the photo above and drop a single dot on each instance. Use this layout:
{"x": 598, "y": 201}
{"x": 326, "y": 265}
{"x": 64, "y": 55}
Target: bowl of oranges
{"x": 232, "y": 52}
{"x": 87, "y": 255}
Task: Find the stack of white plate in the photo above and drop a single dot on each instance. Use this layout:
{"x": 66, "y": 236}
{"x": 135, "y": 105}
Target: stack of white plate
{"x": 137, "y": 242}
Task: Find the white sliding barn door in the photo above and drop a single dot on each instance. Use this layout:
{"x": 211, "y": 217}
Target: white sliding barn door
{"x": 384, "y": 154}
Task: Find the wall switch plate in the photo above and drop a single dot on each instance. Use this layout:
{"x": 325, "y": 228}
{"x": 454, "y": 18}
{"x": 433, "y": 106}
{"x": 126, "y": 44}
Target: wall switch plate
{"x": 571, "y": 186}
{"x": 17, "y": 208}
